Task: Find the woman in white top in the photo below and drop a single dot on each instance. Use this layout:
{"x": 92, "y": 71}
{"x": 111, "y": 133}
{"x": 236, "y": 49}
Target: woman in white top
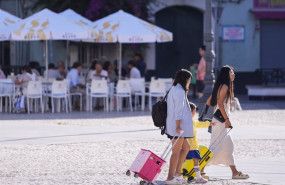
{"x": 221, "y": 97}
{"x": 179, "y": 118}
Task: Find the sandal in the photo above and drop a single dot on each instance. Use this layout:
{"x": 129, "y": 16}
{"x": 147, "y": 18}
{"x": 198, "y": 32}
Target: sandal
{"x": 241, "y": 175}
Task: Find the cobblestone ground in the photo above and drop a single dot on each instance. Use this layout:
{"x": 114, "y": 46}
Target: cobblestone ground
{"x": 105, "y": 162}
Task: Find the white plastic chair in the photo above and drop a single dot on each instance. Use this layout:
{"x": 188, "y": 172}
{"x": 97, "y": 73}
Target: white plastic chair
{"x": 35, "y": 91}
{"x": 7, "y": 91}
{"x": 59, "y": 91}
{"x": 168, "y": 82}
{"x": 46, "y": 80}
{"x": 99, "y": 89}
{"x": 13, "y": 78}
{"x": 123, "y": 90}
{"x": 72, "y": 94}
{"x": 157, "y": 89}
{"x": 138, "y": 90}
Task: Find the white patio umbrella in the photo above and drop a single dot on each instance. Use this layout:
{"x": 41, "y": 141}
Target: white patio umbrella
{"x": 7, "y": 21}
{"x": 123, "y": 27}
{"x": 80, "y": 20}
{"x": 47, "y": 25}
{"x": 76, "y": 17}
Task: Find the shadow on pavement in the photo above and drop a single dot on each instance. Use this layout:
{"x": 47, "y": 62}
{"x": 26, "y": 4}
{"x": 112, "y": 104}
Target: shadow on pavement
{"x": 75, "y": 135}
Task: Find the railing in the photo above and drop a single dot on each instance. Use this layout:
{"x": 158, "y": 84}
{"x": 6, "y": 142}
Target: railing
{"x": 274, "y": 76}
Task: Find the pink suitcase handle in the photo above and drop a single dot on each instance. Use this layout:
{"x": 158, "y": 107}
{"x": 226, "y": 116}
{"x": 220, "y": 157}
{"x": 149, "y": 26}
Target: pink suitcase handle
{"x": 167, "y": 150}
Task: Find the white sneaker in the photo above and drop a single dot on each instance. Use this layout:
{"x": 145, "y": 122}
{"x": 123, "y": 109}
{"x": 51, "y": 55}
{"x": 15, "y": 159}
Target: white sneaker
{"x": 201, "y": 180}
{"x": 181, "y": 179}
{"x": 173, "y": 181}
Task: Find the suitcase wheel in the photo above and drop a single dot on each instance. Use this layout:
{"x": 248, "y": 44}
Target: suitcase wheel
{"x": 190, "y": 179}
{"x": 128, "y": 173}
{"x": 145, "y": 183}
{"x": 136, "y": 175}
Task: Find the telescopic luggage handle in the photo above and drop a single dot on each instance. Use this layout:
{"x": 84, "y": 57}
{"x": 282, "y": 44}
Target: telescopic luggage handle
{"x": 167, "y": 150}
{"x": 211, "y": 146}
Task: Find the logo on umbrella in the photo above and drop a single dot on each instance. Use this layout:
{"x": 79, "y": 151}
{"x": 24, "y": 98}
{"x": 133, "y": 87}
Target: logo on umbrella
{"x": 136, "y": 39}
{"x": 69, "y": 36}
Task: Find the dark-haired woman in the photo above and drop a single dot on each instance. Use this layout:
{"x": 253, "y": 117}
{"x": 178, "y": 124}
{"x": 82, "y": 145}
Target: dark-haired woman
{"x": 221, "y": 98}
{"x": 179, "y": 118}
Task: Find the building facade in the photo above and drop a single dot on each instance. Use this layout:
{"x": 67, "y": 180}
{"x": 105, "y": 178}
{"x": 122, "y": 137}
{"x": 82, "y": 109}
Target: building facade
{"x": 248, "y": 36}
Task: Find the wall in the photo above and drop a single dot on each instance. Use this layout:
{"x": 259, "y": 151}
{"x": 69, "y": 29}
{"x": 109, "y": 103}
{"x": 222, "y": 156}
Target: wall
{"x": 244, "y": 56}
{"x": 159, "y": 5}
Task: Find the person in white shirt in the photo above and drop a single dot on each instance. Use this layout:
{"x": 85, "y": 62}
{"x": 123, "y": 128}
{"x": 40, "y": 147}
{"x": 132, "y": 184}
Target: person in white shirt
{"x": 99, "y": 73}
{"x": 90, "y": 70}
{"x": 23, "y": 80}
{"x": 52, "y": 72}
{"x": 134, "y": 72}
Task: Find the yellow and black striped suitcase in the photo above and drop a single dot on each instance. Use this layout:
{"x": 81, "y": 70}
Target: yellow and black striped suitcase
{"x": 188, "y": 166}
{"x": 187, "y": 169}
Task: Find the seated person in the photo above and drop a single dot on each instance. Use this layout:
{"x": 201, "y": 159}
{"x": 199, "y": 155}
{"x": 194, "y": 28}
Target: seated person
{"x": 25, "y": 77}
{"x": 61, "y": 69}
{"x": 134, "y": 72}
{"x": 23, "y": 80}
{"x": 52, "y": 72}
{"x": 91, "y": 69}
{"x": 111, "y": 72}
{"x": 74, "y": 85}
{"x": 33, "y": 66}
{"x": 99, "y": 73}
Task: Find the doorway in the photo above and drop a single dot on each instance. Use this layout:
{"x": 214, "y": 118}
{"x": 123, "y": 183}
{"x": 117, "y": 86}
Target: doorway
{"x": 186, "y": 24}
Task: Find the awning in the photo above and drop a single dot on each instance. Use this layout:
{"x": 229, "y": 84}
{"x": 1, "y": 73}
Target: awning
{"x": 269, "y": 13}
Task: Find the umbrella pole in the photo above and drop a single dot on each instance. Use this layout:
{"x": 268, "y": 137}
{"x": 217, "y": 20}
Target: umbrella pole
{"x": 67, "y": 57}
{"x": 120, "y": 59}
{"x": 46, "y": 57}
{"x": 2, "y": 51}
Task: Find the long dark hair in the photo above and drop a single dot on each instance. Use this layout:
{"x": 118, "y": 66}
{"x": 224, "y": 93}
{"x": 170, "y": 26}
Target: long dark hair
{"x": 181, "y": 77}
{"x": 223, "y": 79}
{"x": 27, "y": 69}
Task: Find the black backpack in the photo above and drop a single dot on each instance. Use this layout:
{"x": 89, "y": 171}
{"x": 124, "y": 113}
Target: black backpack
{"x": 159, "y": 113}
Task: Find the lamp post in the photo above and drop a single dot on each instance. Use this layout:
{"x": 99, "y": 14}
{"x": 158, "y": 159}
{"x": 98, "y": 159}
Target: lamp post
{"x": 209, "y": 55}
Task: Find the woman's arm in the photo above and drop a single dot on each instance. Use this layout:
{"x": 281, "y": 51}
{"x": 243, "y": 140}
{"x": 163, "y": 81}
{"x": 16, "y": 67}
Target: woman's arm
{"x": 222, "y": 95}
{"x": 178, "y": 129}
{"x": 179, "y": 104}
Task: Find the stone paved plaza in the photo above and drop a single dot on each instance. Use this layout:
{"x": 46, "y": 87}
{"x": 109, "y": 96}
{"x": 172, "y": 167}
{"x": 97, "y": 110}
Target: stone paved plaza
{"x": 98, "y": 147}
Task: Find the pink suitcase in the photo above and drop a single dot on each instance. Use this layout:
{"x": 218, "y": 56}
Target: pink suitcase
{"x": 148, "y": 166}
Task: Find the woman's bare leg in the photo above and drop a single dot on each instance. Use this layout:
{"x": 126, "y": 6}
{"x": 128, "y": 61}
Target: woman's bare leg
{"x": 174, "y": 157}
{"x": 234, "y": 170}
{"x": 183, "y": 153}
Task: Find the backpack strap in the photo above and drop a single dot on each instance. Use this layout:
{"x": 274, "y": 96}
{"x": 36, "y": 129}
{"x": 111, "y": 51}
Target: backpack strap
{"x": 166, "y": 94}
